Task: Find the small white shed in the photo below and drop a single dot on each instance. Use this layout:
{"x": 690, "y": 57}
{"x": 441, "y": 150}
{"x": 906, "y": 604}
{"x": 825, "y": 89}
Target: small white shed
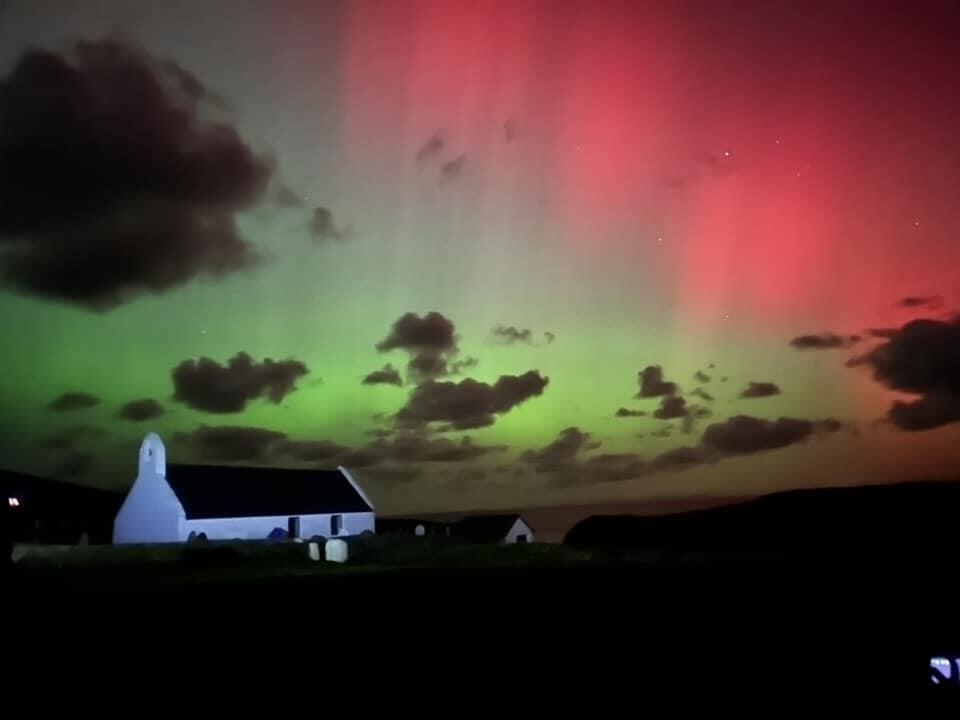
{"x": 172, "y": 503}
{"x": 494, "y": 528}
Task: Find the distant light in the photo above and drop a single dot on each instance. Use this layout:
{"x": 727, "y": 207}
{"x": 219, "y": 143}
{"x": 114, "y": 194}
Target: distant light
{"x": 916, "y": 223}
{"x": 659, "y": 239}
{"x": 777, "y": 141}
{"x": 726, "y": 153}
{"x": 13, "y": 502}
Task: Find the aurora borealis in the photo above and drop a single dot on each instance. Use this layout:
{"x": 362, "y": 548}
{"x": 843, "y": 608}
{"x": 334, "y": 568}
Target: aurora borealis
{"x": 485, "y": 254}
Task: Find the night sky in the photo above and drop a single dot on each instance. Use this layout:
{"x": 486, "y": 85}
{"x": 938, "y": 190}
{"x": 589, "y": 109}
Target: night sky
{"x": 485, "y": 254}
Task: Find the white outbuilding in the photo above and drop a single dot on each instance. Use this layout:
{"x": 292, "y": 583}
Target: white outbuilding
{"x": 173, "y": 503}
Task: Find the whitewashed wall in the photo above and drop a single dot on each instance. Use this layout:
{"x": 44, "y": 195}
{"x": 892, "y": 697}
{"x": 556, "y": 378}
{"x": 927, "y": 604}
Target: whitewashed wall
{"x": 519, "y": 528}
{"x": 258, "y": 528}
{"x": 151, "y": 511}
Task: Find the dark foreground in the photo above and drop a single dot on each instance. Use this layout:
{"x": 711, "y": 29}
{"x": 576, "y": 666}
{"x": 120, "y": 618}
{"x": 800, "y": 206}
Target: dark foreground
{"x": 864, "y": 627}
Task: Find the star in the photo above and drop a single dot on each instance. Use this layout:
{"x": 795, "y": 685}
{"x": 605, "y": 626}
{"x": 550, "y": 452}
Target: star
{"x": 916, "y": 223}
{"x": 726, "y": 153}
{"x": 659, "y": 239}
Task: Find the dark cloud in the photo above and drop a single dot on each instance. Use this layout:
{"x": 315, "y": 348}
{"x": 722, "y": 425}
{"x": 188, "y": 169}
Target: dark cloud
{"x": 322, "y": 227}
{"x": 929, "y": 411}
{"x": 508, "y": 335}
{"x": 603, "y": 468}
{"x": 72, "y": 465}
{"x": 430, "y": 340}
{"x": 562, "y": 460}
{"x": 701, "y": 377}
{"x": 703, "y": 394}
{"x": 711, "y": 366}
{"x": 694, "y": 413}
{"x": 652, "y": 383}
{"x": 885, "y": 333}
{"x": 561, "y": 452}
{"x": 381, "y": 432}
{"x": 681, "y": 458}
{"x": 452, "y": 169}
{"x": 927, "y": 302}
{"x": 392, "y": 475}
{"x": 207, "y": 385}
{"x": 73, "y": 401}
{"x": 922, "y": 358}
{"x": 140, "y": 410}
{"x": 824, "y": 341}
{"x": 663, "y": 432}
{"x": 627, "y": 412}
{"x": 671, "y": 406}
{"x": 387, "y": 375}
{"x": 469, "y": 403}
{"x": 759, "y": 390}
{"x": 228, "y": 443}
{"x": 308, "y": 450}
{"x": 284, "y": 196}
{"x": 723, "y": 379}
{"x": 69, "y": 437}
{"x": 422, "y": 448}
{"x": 458, "y": 366}
{"x": 431, "y": 148}
{"x": 106, "y": 199}
{"x": 362, "y": 457}
{"x": 743, "y": 435}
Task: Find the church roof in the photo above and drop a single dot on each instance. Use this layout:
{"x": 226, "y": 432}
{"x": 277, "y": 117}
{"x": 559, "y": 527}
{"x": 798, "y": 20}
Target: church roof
{"x": 227, "y": 491}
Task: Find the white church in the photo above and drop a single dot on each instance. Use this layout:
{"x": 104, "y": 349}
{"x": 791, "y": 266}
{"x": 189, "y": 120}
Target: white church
{"x": 177, "y": 502}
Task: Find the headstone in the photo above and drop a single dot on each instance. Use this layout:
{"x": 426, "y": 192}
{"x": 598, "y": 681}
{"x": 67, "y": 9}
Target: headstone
{"x": 336, "y": 551}
{"x": 314, "y": 550}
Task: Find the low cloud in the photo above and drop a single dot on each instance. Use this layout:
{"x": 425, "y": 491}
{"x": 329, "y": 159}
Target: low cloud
{"x": 141, "y": 410}
{"x": 627, "y": 413}
{"x": 759, "y": 390}
{"x": 925, "y": 302}
{"x": 744, "y": 435}
{"x": 73, "y": 400}
{"x": 323, "y": 228}
{"x": 824, "y": 341}
{"x": 308, "y": 450}
{"x": 560, "y": 452}
{"x": 703, "y": 394}
{"x": 510, "y": 335}
{"x": 206, "y": 385}
{"x": 229, "y": 443}
{"x": 671, "y": 406}
{"x": 921, "y": 358}
{"x": 453, "y": 169}
{"x": 70, "y": 437}
{"x": 431, "y": 148}
{"x": 431, "y": 342}
{"x": 469, "y": 403}
{"x": 146, "y": 211}
{"x": 387, "y": 375}
{"x": 652, "y": 383}
{"x": 72, "y": 465}
{"x": 701, "y": 377}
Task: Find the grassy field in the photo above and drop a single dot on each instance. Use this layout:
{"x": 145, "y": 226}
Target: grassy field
{"x": 485, "y": 615}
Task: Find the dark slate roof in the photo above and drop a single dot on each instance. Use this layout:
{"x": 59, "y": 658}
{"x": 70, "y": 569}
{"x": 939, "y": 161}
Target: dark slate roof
{"x": 224, "y": 491}
{"x": 485, "y": 527}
